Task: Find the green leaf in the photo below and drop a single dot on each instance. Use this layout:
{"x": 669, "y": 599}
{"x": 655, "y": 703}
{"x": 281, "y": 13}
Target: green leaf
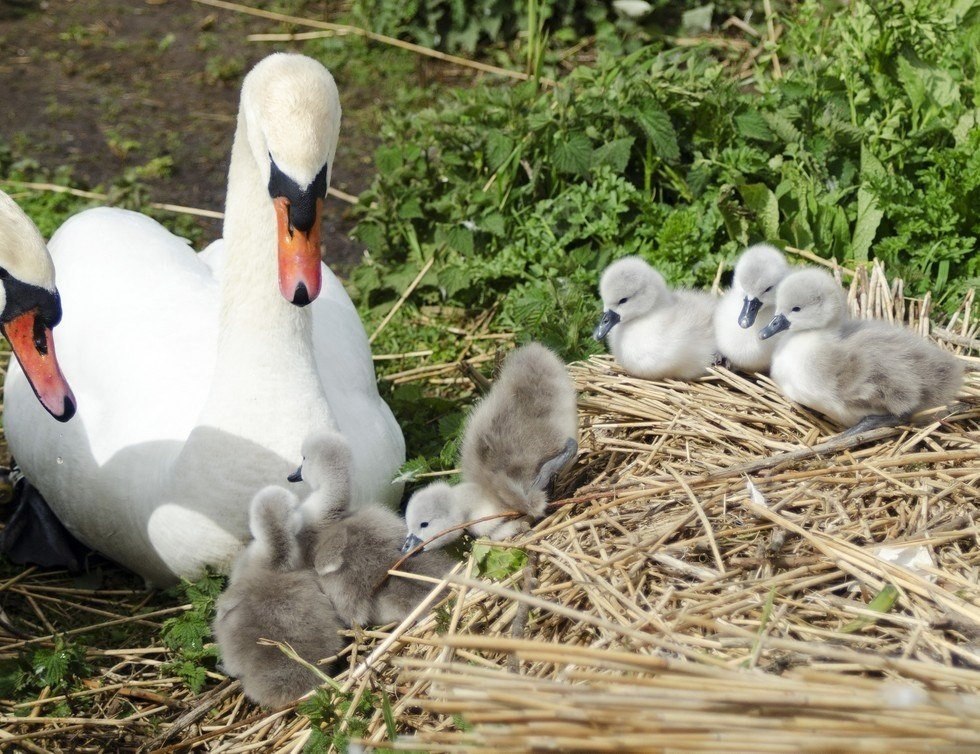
{"x": 883, "y": 602}
{"x": 615, "y": 154}
{"x": 499, "y": 148}
{"x": 388, "y": 159}
{"x": 573, "y": 155}
{"x": 751, "y": 125}
{"x": 763, "y": 203}
{"x": 869, "y": 213}
{"x": 461, "y": 239}
{"x": 656, "y": 124}
{"x": 497, "y": 563}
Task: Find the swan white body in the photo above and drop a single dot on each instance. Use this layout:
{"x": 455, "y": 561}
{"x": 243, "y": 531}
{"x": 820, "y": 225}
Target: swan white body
{"x": 198, "y": 381}
{"x": 652, "y": 331}
{"x": 747, "y": 307}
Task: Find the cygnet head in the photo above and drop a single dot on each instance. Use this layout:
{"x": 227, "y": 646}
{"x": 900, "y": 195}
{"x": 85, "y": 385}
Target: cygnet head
{"x": 758, "y": 272}
{"x": 30, "y": 307}
{"x": 326, "y": 461}
{"x": 431, "y": 510}
{"x": 273, "y": 528}
{"x": 290, "y": 114}
{"x": 629, "y": 288}
{"x": 806, "y": 300}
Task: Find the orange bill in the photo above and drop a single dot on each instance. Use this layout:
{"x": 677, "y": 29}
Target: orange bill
{"x": 299, "y": 256}
{"x": 33, "y": 346}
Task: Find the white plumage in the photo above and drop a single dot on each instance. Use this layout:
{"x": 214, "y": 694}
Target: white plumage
{"x": 196, "y": 379}
{"x": 652, "y": 331}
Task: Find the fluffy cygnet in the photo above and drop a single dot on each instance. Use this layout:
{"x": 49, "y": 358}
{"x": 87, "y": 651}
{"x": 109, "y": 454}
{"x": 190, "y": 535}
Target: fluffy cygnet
{"x": 268, "y": 597}
{"x": 746, "y": 309}
{"x": 652, "y": 331}
{"x": 516, "y": 441}
{"x": 352, "y": 550}
{"x": 860, "y": 373}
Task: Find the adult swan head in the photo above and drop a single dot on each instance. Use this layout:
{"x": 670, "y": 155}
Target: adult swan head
{"x": 290, "y": 112}
{"x": 199, "y": 375}
{"x": 30, "y": 307}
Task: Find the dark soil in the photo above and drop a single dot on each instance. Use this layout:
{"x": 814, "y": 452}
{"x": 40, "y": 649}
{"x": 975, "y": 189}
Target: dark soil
{"x": 102, "y": 86}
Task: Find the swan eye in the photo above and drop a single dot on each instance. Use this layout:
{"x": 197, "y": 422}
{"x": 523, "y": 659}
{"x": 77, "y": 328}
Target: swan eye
{"x": 795, "y": 309}
{"x": 622, "y": 301}
{"x": 424, "y": 525}
{"x": 767, "y": 289}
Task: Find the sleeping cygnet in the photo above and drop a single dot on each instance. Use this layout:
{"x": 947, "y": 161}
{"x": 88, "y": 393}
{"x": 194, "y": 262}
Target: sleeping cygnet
{"x": 269, "y": 597}
{"x": 748, "y": 306}
{"x": 860, "y": 373}
{"x": 515, "y": 443}
{"x": 652, "y": 331}
{"x": 350, "y": 551}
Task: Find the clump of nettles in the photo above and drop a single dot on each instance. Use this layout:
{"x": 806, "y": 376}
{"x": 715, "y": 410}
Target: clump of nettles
{"x": 188, "y": 635}
{"x": 56, "y": 668}
{"x": 327, "y": 710}
{"x": 865, "y": 147}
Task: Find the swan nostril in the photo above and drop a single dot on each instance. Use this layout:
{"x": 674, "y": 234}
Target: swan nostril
{"x": 302, "y": 296}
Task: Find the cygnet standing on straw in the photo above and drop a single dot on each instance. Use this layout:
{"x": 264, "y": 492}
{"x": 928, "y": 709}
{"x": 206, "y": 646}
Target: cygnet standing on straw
{"x": 270, "y": 597}
{"x": 654, "y": 332}
{"x": 351, "y": 550}
{"x": 860, "y": 373}
{"x": 516, "y": 441}
{"x": 746, "y": 309}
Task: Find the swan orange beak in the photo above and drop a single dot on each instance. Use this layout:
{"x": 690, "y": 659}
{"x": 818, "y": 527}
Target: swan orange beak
{"x": 299, "y": 255}
{"x": 33, "y": 345}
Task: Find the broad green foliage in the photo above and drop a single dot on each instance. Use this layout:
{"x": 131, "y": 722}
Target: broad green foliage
{"x": 866, "y": 147}
{"x": 497, "y": 563}
{"x": 56, "y": 668}
{"x": 188, "y": 635}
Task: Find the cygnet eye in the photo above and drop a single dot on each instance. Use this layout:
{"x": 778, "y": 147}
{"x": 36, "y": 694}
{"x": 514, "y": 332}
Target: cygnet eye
{"x": 623, "y": 301}
{"x": 795, "y": 309}
{"x": 767, "y": 289}
{"x": 423, "y": 524}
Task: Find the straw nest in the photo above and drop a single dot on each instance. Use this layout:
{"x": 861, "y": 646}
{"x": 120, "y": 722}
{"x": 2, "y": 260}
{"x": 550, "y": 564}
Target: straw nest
{"x": 720, "y": 573}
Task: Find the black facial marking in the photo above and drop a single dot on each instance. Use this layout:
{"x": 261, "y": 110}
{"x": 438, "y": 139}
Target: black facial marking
{"x": 22, "y": 297}
{"x": 302, "y": 201}
{"x": 40, "y": 341}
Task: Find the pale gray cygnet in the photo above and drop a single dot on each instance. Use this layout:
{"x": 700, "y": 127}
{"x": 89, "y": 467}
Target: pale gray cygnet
{"x": 520, "y": 436}
{"x": 351, "y": 551}
{"x": 269, "y": 596}
{"x": 745, "y": 310}
{"x": 860, "y": 373}
{"x": 655, "y": 332}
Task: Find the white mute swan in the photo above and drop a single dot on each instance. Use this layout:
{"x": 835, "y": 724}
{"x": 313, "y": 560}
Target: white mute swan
{"x": 30, "y": 307}
{"x": 747, "y": 308}
{"x": 654, "y": 332}
{"x": 514, "y": 444}
{"x": 861, "y": 373}
{"x": 199, "y": 377}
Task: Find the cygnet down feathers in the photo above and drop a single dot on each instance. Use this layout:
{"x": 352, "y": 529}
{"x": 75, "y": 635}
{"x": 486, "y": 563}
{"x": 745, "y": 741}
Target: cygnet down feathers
{"x": 520, "y": 436}
{"x": 350, "y": 551}
{"x": 652, "y": 331}
{"x": 747, "y": 307}
{"x": 860, "y": 373}
{"x": 268, "y": 597}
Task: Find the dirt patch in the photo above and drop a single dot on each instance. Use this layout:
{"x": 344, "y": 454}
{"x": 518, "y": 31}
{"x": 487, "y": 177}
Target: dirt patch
{"x": 106, "y": 86}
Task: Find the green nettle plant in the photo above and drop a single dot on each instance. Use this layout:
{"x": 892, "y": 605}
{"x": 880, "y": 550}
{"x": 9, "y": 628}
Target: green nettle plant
{"x": 521, "y": 194}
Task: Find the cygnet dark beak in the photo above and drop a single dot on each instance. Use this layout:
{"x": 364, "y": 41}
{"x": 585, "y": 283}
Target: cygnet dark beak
{"x": 778, "y": 324}
{"x": 609, "y": 320}
{"x": 750, "y": 308}
{"x": 296, "y": 476}
{"x": 411, "y": 542}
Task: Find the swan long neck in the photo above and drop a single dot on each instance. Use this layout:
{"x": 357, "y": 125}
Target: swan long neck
{"x": 265, "y": 347}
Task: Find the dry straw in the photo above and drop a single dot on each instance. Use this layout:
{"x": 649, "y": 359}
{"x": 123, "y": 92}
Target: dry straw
{"x": 712, "y": 578}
